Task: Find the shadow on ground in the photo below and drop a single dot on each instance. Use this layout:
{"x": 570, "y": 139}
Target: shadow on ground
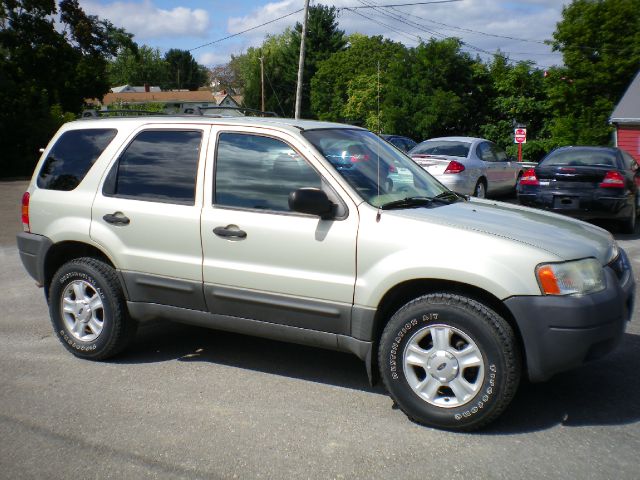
{"x": 604, "y": 392}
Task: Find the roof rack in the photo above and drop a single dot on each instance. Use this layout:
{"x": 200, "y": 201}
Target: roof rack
{"x": 117, "y": 113}
{"x": 202, "y": 110}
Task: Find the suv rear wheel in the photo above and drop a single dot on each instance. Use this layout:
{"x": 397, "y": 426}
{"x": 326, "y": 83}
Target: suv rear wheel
{"x": 449, "y": 362}
{"x": 88, "y": 310}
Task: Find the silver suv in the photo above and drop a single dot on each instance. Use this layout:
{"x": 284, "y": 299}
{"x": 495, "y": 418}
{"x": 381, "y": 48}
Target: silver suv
{"x": 292, "y": 230}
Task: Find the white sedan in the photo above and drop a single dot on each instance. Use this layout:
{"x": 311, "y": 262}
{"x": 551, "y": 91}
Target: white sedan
{"x": 468, "y": 165}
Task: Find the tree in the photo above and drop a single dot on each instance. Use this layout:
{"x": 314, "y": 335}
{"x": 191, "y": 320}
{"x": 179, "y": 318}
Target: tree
{"x": 323, "y": 40}
{"x": 137, "y": 67}
{"x": 47, "y": 70}
{"x": 600, "y": 45}
{"x": 280, "y": 54}
{"x": 518, "y": 96}
{"x": 345, "y": 87}
{"x": 448, "y": 90}
{"x": 183, "y": 72}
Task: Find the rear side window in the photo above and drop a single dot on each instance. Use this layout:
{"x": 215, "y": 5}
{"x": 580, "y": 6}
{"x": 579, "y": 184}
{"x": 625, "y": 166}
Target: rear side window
{"x": 157, "y": 166}
{"x": 72, "y": 156}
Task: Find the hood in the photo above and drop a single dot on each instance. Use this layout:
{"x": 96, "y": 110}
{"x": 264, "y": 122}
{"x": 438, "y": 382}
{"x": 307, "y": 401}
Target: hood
{"x": 567, "y": 238}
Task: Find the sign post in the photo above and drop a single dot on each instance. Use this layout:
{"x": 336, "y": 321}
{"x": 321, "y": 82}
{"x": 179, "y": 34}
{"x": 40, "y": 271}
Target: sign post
{"x": 520, "y": 137}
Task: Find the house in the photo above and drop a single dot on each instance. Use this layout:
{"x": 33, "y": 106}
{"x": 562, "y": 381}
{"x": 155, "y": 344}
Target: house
{"x": 626, "y": 119}
{"x": 175, "y": 101}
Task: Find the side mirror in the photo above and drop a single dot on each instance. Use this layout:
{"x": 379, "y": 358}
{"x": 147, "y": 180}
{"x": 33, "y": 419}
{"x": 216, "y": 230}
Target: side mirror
{"x": 312, "y": 201}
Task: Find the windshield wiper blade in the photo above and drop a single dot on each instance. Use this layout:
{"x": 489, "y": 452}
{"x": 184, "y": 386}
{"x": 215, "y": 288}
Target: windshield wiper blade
{"x": 410, "y": 202}
{"x": 451, "y": 195}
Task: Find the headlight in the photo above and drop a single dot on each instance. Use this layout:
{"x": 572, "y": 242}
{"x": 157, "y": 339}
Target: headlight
{"x": 581, "y": 276}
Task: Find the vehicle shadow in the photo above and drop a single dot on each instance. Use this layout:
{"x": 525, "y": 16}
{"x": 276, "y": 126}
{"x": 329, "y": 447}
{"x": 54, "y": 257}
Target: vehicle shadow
{"x": 604, "y": 392}
{"x": 165, "y": 341}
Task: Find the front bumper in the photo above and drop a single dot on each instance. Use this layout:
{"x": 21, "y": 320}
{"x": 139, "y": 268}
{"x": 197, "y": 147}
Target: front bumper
{"x": 563, "y": 332}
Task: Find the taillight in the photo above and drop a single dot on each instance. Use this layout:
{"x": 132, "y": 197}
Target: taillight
{"x": 612, "y": 179}
{"x": 454, "y": 167}
{"x": 25, "y": 212}
{"x": 529, "y": 178}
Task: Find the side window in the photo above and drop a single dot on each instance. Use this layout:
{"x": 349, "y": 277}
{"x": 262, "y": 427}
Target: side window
{"x": 259, "y": 172}
{"x": 498, "y": 153}
{"x": 157, "y": 166}
{"x": 484, "y": 152}
{"x": 72, "y": 156}
{"x": 409, "y": 144}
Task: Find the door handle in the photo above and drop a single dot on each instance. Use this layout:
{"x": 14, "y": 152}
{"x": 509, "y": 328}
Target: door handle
{"x": 230, "y": 231}
{"x": 117, "y": 218}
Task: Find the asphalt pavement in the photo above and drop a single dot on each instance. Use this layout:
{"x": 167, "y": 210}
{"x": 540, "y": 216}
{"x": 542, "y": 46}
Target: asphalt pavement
{"x": 186, "y": 402}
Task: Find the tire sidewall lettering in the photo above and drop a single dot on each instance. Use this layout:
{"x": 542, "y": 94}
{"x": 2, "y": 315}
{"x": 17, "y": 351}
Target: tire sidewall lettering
{"x": 62, "y": 282}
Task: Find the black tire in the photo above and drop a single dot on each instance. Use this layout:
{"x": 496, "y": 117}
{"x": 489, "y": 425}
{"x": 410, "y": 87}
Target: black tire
{"x": 628, "y": 225}
{"x": 480, "y": 190}
{"x": 473, "y": 328}
{"x": 95, "y": 323}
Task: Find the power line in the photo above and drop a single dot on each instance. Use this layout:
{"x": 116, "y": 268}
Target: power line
{"x": 399, "y": 5}
{"x": 247, "y": 30}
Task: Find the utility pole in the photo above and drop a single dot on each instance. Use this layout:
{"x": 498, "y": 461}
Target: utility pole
{"x": 301, "y": 62}
{"x": 262, "y": 80}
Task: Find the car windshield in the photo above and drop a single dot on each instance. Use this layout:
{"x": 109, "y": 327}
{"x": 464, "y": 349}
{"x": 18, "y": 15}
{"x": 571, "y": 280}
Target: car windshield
{"x": 450, "y": 148}
{"x": 377, "y": 171}
{"x": 580, "y": 158}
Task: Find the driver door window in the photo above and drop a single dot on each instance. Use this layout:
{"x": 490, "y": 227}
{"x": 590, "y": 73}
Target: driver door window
{"x": 257, "y": 172}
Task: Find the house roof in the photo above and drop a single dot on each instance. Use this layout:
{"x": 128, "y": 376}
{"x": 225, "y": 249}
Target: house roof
{"x": 129, "y": 88}
{"x": 628, "y": 109}
{"x": 150, "y": 97}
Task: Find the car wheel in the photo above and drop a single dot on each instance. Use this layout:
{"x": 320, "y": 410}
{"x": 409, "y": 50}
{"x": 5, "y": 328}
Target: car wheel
{"x": 449, "y": 362}
{"x": 480, "y": 190}
{"x": 628, "y": 225}
{"x": 88, "y": 311}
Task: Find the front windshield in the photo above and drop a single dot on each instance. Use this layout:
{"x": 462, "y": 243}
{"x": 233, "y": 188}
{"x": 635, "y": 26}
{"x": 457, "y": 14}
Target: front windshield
{"x": 377, "y": 171}
{"x": 449, "y": 148}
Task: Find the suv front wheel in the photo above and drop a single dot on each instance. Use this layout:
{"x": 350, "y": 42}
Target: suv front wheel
{"x": 449, "y": 362}
{"x": 88, "y": 310}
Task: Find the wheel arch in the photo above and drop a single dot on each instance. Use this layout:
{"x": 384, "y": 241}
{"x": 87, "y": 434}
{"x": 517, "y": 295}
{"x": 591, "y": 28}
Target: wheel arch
{"x": 404, "y": 292}
{"x": 62, "y": 252}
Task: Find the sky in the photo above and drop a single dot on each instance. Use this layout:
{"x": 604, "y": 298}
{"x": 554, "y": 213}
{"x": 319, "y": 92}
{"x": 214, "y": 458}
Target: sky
{"x": 516, "y": 28}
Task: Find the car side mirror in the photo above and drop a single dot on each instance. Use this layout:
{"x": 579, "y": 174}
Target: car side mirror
{"x": 312, "y": 201}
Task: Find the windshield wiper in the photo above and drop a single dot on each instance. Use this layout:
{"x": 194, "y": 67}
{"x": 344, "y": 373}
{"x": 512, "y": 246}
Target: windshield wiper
{"x": 451, "y": 195}
{"x": 411, "y": 202}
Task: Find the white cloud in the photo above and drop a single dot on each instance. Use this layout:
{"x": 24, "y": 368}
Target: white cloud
{"x": 147, "y": 21}
{"x": 209, "y": 59}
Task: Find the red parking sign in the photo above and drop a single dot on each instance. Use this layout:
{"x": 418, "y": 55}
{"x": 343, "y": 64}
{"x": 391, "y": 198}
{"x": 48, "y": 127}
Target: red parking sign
{"x": 520, "y": 135}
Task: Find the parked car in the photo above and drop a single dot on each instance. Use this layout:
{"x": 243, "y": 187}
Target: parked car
{"x": 585, "y": 182}
{"x": 403, "y": 143}
{"x": 468, "y": 165}
{"x": 289, "y": 229}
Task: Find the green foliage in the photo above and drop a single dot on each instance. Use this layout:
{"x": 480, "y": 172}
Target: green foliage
{"x": 183, "y": 71}
{"x": 137, "y": 67}
{"x": 177, "y": 69}
{"x": 354, "y": 72}
{"x": 157, "y": 107}
{"x": 281, "y": 54}
{"x": 600, "y": 45}
{"x": 48, "y": 70}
